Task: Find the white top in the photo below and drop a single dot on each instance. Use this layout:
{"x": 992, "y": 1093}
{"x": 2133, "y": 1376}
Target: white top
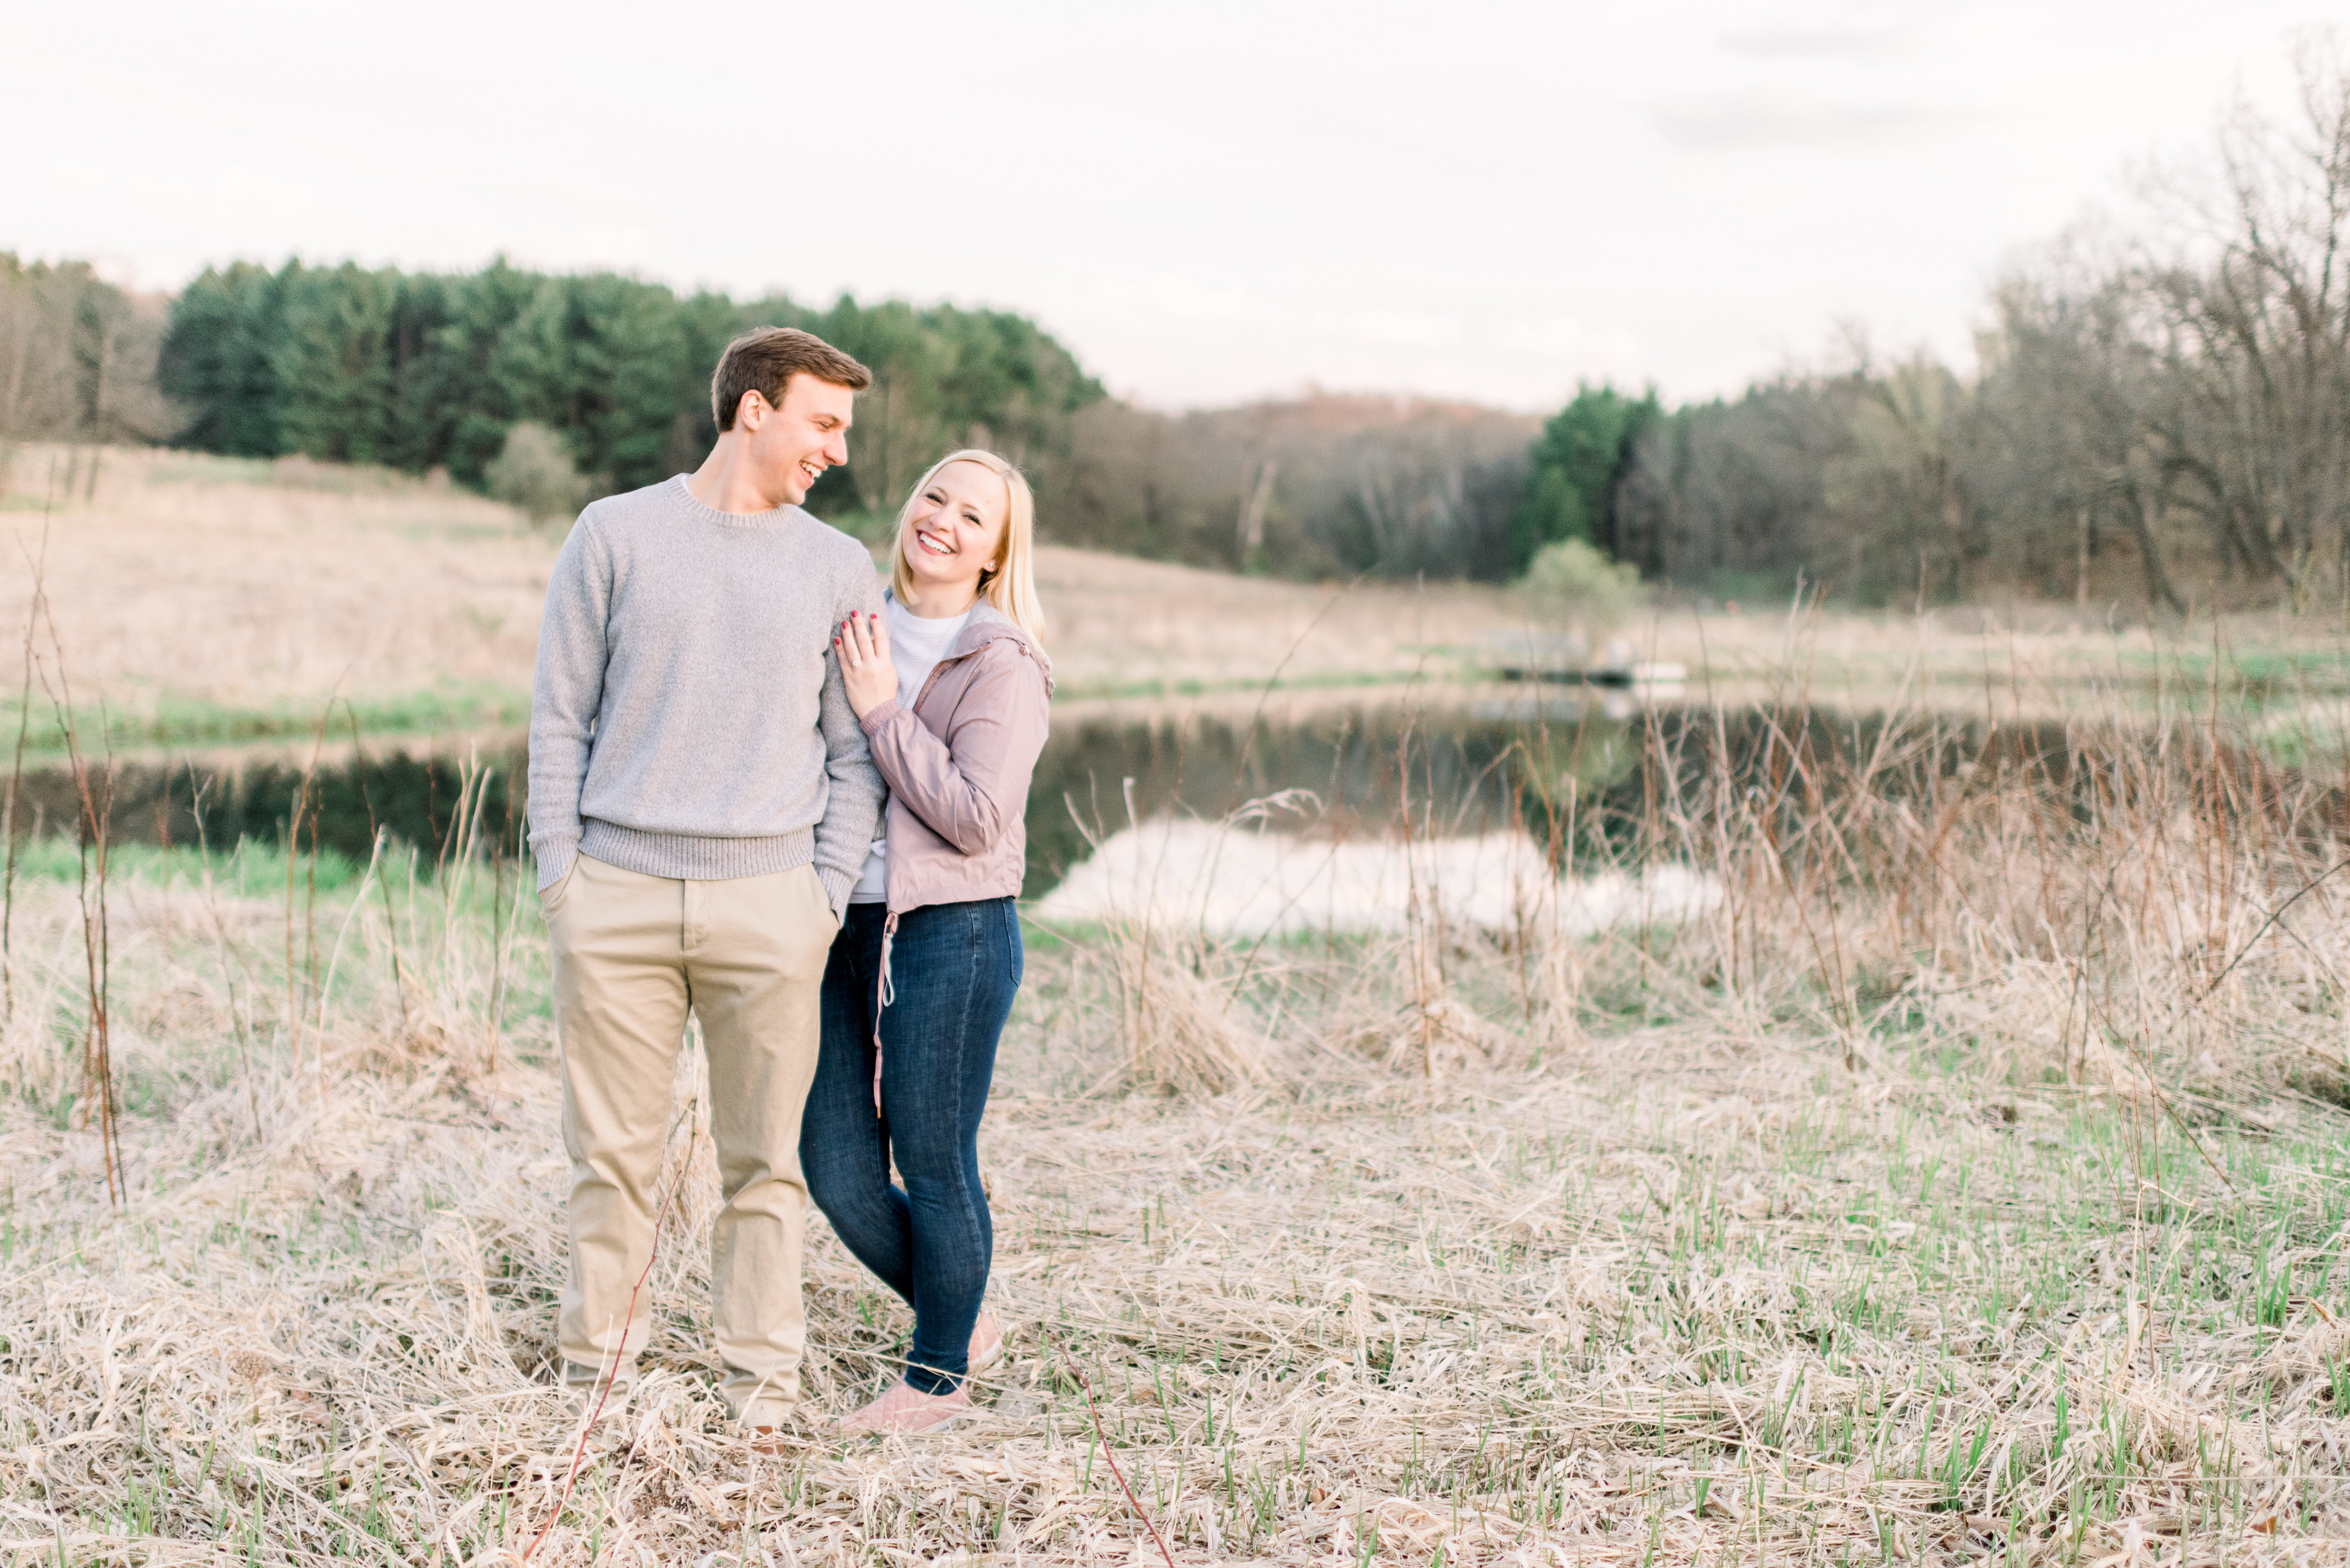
{"x": 916, "y": 647}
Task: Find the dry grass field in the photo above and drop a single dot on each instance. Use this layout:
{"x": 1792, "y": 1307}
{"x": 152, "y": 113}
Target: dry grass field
{"x": 1969, "y": 1184}
{"x": 194, "y": 582}
{"x": 184, "y": 585}
{"x": 207, "y": 600}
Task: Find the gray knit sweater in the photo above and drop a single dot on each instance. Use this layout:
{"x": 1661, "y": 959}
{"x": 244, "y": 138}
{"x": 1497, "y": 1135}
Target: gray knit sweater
{"x": 688, "y": 719}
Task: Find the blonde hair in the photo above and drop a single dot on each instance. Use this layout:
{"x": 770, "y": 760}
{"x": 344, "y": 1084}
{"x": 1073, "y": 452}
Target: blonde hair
{"x": 1010, "y": 585}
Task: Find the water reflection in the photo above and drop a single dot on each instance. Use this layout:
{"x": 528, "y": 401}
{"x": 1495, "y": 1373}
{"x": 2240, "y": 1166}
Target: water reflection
{"x": 1555, "y": 766}
{"x": 1462, "y": 770}
{"x": 220, "y": 798}
{"x": 1249, "y": 879}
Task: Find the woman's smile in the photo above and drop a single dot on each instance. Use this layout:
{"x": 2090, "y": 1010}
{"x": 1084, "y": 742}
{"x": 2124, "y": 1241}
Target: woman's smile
{"x": 952, "y": 537}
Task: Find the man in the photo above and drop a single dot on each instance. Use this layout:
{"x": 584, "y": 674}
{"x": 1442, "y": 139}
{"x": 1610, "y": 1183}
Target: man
{"x": 701, "y": 804}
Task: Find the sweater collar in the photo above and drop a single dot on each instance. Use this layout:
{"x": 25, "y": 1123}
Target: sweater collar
{"x": 684, "y": 500}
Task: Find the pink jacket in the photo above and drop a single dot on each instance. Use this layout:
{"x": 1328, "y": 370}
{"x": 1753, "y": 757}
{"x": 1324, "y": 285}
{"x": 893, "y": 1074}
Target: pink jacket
{"x": 958, "y": 765}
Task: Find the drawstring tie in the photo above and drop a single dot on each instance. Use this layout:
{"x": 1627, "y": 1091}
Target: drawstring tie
{"x": 884, "y": 994}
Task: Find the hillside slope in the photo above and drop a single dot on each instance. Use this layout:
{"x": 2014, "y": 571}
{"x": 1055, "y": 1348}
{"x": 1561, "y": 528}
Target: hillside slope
{"x": 206, "y": 599}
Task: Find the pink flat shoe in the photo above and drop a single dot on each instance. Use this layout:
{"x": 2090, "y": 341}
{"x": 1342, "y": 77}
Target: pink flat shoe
{"x": 902, "y": 1410}
{"x": 986, "y": 1343}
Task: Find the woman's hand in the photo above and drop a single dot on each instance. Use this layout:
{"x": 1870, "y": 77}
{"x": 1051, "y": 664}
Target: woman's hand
{"x": 863, "y": 649}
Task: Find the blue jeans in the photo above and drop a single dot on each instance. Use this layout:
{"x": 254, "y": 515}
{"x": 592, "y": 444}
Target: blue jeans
{"x": 953, "y": 971}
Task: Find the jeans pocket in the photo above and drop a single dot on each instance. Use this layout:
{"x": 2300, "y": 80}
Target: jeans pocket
{"x": 552, "y": 897}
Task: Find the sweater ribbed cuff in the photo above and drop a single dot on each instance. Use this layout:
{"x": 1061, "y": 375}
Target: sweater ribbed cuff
{"x": 837, "y": 887}
{"x": 554, "y": 856}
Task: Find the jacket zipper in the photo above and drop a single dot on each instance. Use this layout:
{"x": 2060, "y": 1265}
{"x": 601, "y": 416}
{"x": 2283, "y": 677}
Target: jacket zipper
{"x": 884, "y": 994}
{"x": 882, "y": 988}
{"x": 932, "y": 677}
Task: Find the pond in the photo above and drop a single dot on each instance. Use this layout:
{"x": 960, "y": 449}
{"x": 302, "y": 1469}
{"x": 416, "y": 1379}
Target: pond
{"x": 1561, "y": 769}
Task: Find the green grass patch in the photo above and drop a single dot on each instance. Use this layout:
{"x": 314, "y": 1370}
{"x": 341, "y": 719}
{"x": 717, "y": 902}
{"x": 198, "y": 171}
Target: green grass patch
{"x": 164, "y": 719}
{"x": 2325, "y": 667}
{"x": 255, "y": 868}
{"x": 1335, "y": 681}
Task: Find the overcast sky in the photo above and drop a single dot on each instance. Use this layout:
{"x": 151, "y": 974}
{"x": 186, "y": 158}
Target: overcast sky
{"x": 1207, "y": 201}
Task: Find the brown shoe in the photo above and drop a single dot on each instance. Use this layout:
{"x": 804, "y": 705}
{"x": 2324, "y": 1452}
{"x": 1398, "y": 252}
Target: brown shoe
{"x": 903, "y": 1410}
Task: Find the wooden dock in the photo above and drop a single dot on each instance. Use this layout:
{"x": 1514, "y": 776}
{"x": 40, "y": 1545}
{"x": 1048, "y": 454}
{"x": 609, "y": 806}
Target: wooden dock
{"x": 1621, "y": 676}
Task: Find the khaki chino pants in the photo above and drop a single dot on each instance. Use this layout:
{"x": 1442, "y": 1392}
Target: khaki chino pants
{"x": 633, "y": 954}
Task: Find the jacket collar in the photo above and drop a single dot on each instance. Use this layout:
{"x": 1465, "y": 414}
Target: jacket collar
{"x": 987, "y": 624}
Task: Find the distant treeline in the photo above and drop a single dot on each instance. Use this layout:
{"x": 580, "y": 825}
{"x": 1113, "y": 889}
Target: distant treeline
{"x": 422, "y": 370}
{"x": 419, "y": 372}
{"x": 1324, "y": 485}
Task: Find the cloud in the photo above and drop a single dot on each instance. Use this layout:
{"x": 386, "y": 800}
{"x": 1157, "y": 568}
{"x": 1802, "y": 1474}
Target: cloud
{"x": 1738, "y": 122}
{"x": 1186, "y": 305}
{"x": 1829, "y": 42}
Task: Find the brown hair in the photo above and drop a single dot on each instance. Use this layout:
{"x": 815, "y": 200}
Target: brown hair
{"x": 765, "y": 360}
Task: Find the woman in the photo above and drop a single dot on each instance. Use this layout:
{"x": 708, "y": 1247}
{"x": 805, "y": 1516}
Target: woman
{"x": 953, "y": 695}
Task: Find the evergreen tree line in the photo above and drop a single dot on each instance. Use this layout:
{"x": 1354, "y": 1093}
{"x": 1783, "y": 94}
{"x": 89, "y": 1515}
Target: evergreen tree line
{"x": 2156, "y": 419}
{"x": 423, "y": 370}
{"x": 470, "y": 372}
{"x": 549, "y": 388}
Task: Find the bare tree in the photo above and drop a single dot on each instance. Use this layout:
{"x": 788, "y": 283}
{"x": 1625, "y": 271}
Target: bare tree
{"x": 2175, "y": 408}
{"x": 36, "y": 357}
{"x": 2080, "y": 431}
{"x": 2256, "y": 337}
{"x": 1324, "y": 484}
{"x": 77, "y": 359}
